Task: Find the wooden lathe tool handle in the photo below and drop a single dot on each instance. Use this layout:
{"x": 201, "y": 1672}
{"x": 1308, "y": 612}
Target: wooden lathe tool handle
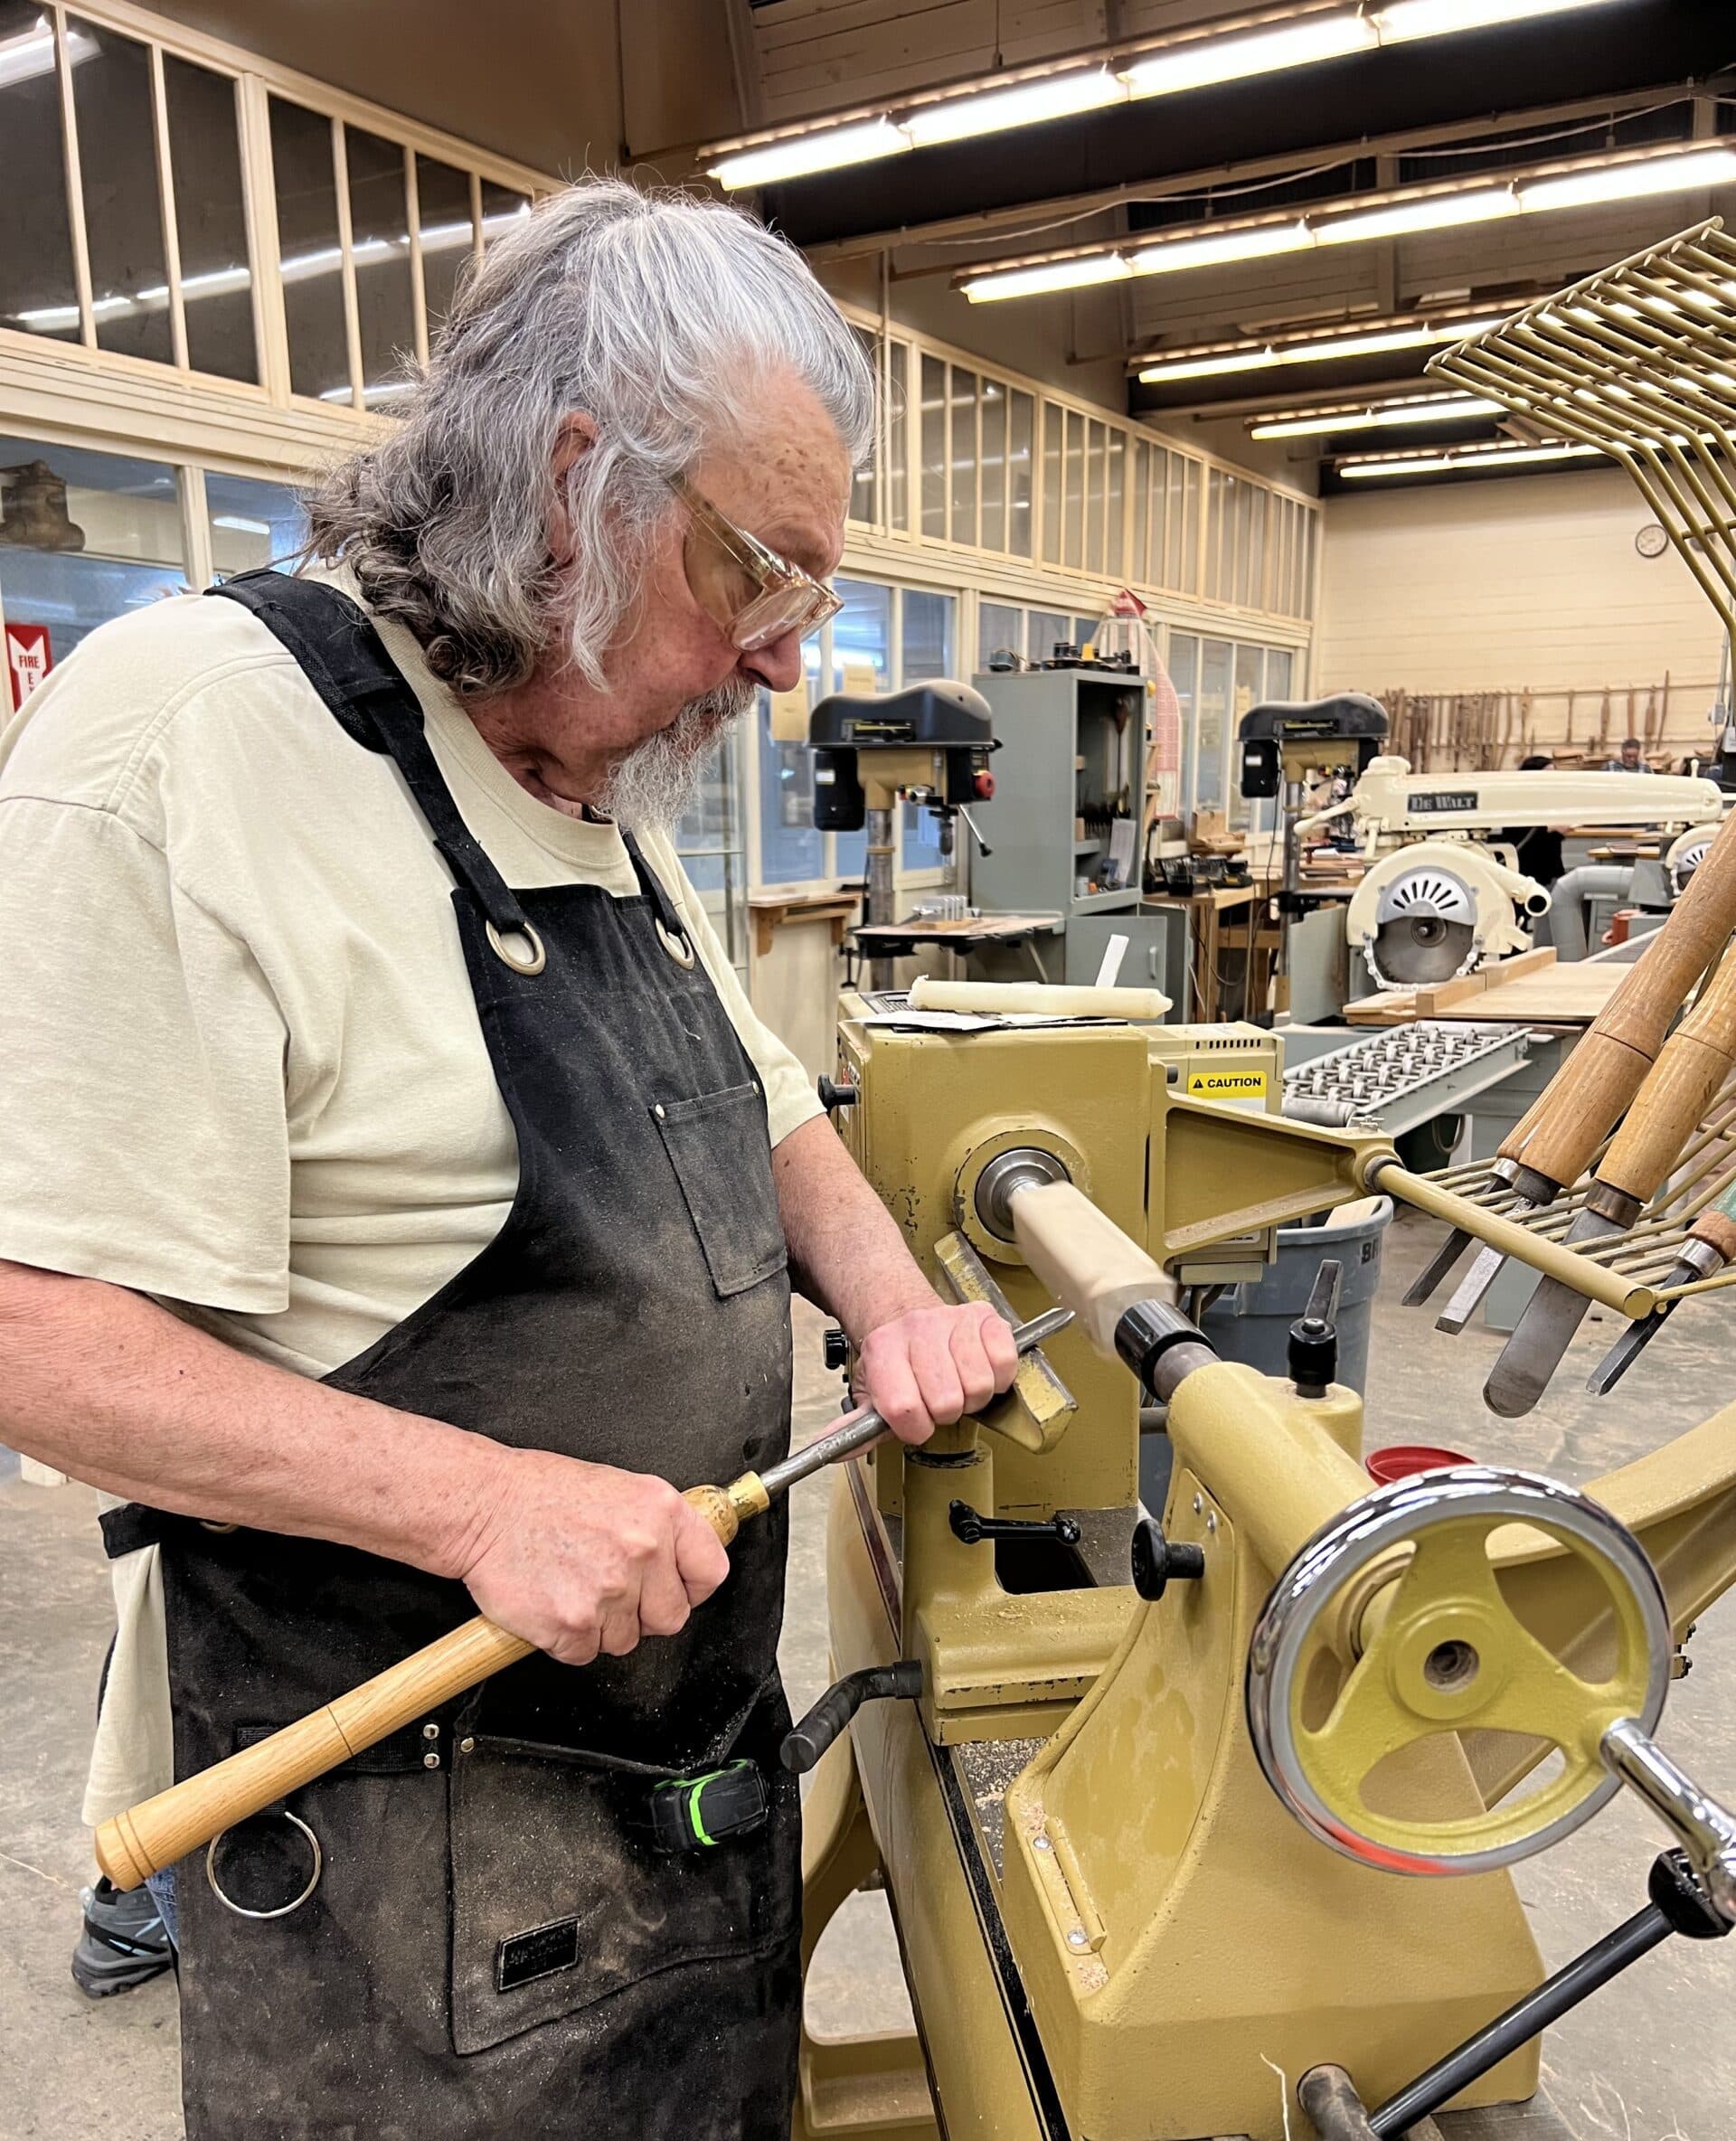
{"x": 158, "y": 1832}
{"x": 1513, "y": 1145}
{"x": 1589, "y": 1094}
{"x": 1692, "y": 1065}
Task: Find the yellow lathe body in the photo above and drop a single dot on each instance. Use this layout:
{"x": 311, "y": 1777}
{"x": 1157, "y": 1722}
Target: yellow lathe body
{"x": 1110, "y": 1925}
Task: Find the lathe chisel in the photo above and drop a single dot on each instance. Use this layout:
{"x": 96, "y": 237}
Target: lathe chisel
{"x": 1692, "y": 1065}
{"x": 1710, "y": 1244}
{"x": 156, "y": 1833}
{"x": 1587, "y": 1097}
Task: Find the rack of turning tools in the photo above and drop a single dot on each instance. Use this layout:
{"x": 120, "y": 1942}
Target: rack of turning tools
{"x": 1683, "y": 1244}
{"x": 1625, "y": 1158}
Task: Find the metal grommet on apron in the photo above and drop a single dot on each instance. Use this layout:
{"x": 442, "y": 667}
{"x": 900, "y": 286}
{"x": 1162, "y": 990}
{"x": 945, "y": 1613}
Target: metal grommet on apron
{"x": 281, "y": 1910}
{"x": 538, "y": 959}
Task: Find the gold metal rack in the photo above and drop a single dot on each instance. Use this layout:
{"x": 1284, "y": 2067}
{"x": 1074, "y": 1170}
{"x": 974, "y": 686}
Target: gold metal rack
{"x": 1640, "y": 361}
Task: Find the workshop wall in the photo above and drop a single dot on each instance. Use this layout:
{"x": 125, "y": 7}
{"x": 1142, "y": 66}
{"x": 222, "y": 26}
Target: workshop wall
{"x": 1531, "y": 581}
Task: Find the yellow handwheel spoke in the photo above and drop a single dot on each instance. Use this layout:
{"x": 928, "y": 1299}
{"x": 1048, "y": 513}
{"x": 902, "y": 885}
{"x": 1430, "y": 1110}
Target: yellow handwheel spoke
{"x": 1541, "y": 1699}
{"x": 1451, "y": 1562}
{"x": 1365, "y": 1725}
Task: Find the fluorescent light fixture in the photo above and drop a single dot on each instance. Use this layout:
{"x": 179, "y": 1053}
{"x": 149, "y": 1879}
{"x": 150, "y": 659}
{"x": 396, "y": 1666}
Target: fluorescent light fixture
{"x": 1409, "y": 19}
{"x": 1158, "y": 70}
{"x": 1423, "y": 335}
{"x": 1466, "y": 457}
{"x": 1025, "y": 104}
{"x": 1248, "y": 360}
{"x": 1676, "y": 173}
{"x": 1088, "y": 269}
{"x": 1673, "y": 170}
{"x": 1438, "y": 212}
{"x": 1257, "y": 244}
{"x": 1376, "y": 416}
{"x": 797, "y": 158}
{"x": 240, "y": 524}
{"x": 29, "y": 54}
{"x": 1205, "y": 60}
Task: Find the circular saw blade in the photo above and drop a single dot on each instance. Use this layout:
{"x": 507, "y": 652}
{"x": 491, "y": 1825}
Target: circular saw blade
{"x": 1416, "y": 949}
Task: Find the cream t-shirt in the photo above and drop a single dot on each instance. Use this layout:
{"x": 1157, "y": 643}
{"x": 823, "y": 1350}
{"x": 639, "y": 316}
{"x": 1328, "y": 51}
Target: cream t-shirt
{"x": 243, "y": 1067}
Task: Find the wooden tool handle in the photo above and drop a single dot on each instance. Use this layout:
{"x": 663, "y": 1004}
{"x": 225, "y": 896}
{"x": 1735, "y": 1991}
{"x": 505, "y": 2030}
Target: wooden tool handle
{"x": 1693, "y": 1062}
{"x": 158, "y": 1832}
{"x": 1513, "y": 1145}
{"x": 1587, "y": 1095}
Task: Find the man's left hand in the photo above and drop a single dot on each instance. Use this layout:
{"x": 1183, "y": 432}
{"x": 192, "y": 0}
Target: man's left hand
{"x": 932, "y": 1365}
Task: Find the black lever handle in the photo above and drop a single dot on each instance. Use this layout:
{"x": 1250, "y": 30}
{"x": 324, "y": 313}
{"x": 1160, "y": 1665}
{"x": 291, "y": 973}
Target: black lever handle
{"x": 972, "y": 1527}
{"x": 804, "y": 1743}
{"x": 834, "y": 1096}
{"x": 1313, "y": 1351}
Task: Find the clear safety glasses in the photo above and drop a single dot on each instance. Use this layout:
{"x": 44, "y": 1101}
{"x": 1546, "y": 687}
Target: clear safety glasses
{"x": 751, "y": 594}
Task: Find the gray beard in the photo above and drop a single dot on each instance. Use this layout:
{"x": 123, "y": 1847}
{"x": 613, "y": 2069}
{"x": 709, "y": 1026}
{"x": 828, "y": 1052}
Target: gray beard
{"x": 659, "y": 781}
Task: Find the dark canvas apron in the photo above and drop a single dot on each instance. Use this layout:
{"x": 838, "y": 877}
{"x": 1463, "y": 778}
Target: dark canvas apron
{"x": 494, "y": 1948}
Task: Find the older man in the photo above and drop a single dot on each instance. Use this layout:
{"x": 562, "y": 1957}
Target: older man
{"x": 401, "y": 1194}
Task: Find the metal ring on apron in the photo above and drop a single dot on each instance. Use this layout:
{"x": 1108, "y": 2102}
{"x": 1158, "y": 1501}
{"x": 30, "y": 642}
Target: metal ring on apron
{"x": 680, "y": 949}
{"x": 538, "y": 959}
{"x": 282, "y": 1909}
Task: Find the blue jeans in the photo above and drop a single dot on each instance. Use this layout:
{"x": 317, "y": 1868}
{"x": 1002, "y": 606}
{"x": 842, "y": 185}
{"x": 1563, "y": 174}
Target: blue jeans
{"x": 161, "y": 1887}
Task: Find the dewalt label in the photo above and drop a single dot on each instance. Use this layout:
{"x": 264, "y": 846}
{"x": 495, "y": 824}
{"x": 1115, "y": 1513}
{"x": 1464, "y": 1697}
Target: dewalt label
{"x": 1227, "y": 1085}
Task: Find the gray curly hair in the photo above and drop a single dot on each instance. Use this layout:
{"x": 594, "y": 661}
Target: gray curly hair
{"x": 656, "y": 314}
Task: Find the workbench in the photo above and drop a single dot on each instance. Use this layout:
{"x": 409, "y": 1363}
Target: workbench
{"x": 1568, "y": 994}
{"x": 962, "y": 935}
{"x": 1216, "y": 920}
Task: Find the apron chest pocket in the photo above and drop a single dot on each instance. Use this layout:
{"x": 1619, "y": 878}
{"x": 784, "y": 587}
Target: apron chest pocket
{"x": 719, "y": 1148}
{"x": 561, "y": 1899}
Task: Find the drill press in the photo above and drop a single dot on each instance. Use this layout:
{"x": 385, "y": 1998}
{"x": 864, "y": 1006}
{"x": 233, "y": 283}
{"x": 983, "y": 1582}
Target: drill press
{"x": 929, "y": 743}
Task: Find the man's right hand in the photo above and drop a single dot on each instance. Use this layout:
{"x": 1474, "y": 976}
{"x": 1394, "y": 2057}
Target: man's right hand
{"x": 578, "y": 1559}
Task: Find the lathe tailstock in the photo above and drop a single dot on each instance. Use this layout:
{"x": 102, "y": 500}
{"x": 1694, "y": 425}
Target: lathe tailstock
{"x": 1161, "y": 1807}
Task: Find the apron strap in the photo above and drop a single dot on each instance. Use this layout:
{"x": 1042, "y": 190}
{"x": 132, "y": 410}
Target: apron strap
{"x": 342, "y": 656}
{"x": 652, "y": 885}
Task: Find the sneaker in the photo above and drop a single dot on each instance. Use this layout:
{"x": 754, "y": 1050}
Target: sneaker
{"x": 124, "y": 1942}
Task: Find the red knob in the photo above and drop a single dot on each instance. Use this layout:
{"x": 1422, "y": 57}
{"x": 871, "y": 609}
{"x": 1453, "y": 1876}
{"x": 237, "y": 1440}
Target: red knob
{"x": 982, "y": 786}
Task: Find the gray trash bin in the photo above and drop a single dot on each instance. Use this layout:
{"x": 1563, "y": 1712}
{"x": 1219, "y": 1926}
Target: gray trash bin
{"x": 1251, "y": 1322}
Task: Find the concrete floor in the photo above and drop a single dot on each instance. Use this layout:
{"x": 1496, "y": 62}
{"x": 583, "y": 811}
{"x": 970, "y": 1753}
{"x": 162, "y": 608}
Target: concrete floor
{"x": 1653, "y": 2059}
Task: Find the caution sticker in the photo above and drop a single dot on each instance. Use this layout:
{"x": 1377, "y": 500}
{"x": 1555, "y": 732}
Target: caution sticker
{"x": 1227, "y": 1085}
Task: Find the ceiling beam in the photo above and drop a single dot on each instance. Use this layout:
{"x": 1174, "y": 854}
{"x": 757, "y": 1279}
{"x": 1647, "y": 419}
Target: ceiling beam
{"x": 744, "y": 64}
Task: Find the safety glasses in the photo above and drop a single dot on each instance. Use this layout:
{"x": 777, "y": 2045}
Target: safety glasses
{"x": 751, "y": 594}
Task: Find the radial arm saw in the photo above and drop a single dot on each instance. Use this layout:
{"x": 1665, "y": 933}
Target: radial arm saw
{"x": 1441, "y": 893}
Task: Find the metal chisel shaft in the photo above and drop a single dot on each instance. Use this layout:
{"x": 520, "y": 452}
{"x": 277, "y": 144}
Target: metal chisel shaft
{"x": 859, "y": 1428}
{"x": 1710, "y": 1244}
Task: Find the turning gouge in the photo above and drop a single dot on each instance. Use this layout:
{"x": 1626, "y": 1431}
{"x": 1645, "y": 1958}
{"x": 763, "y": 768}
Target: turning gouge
{"x": 159, "y": 1830}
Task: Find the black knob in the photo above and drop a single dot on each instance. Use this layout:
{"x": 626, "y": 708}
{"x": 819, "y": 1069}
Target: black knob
{"x": 1157, "y": 1561}
{"x": 1313, "y": 1355}
{"x": 833, "y": 1094}
{"x": 834, "y": 1347}
{"x": 1313, "y": 1335}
